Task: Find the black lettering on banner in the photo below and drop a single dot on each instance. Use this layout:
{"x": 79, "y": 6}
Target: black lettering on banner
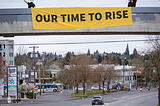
{"x": 39, "y": 18}
{"x": 119, "y": 16}
{"x": 91, "y": 16}
{"x": 113, "y": 15}
{"x": 98, "y": 16}
{"x": 54, "y": 18}
{"x": 63, "y": 17}
{"x": 108, "y": 15}
{"x": 82, "y": 17}
{"x": 74, "y": 18}
{"x": 45, "y": 18}
{"x": 68, "y": 18}
{"x": 125, "y": 14}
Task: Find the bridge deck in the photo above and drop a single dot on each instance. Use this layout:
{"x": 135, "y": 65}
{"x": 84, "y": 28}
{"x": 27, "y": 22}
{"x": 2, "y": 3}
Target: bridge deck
{"x": 18, "y": 22}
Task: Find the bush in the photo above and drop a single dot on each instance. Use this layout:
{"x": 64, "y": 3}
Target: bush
{"x": 29, "y": 95}
{"x": 22, "y": 95}
{"x": 15, "y": 100}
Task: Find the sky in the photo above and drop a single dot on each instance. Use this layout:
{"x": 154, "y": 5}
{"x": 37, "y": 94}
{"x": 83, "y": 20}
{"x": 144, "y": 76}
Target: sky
{"x": 79, "y": 48}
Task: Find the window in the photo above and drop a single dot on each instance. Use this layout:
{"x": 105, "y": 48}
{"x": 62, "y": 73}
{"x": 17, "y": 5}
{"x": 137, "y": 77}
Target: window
{"x": 10, "y": 46}
{"x": 126, "y": 78}
{"x": 3, "y": 54}
{"x": 10, "y": 62}
{"x": 10, "y": 54}
{"x": 4, "y": 46}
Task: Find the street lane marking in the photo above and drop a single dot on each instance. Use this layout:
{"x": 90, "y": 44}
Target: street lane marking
{"x": 73, "y": 103}
{"x": 136, "y": 96}
{"x": 142, "y": 95}
{"x": 132, "y": 101}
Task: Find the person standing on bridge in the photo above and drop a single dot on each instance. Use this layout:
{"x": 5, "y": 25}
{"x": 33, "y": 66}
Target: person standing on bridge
{"x": 30, "y": 4}
{"x": 132, "y": 3}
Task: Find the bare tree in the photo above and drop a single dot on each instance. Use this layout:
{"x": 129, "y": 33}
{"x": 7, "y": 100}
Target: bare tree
{"x": 102, "y": 75}
{"x": 1, "y": 67}
{"x": 21, "y": 50}
{"x": 82, "y": 64}
{"x": 154, "y": 54}
{"x": 79, "y": 71}
{"x": 106, "y": 74}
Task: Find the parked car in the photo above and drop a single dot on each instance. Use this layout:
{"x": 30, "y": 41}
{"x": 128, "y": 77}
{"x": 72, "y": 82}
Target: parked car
{"x": 95, "y": 87}
{"x": 104, "y": 88}
{"x": 97, "y": 100}
{"x": 79, "y": 88}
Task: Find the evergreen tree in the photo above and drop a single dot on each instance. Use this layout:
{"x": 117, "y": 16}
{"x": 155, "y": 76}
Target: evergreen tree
{"x": 99, "y": 58}
{"x": 119, "y": 60}
{"x": 135, "y": 54}
{"x": 88, "y": 53}
{"x": 127, "y": 51}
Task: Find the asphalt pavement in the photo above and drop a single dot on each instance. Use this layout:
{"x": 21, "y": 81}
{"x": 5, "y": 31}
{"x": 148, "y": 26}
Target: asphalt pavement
{"x": 63, "y": 99}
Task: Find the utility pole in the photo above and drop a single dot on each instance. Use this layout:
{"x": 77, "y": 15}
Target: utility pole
{"x": 39, "y": 63}
{"x": 43, "y": 71}
{"x": 34, "y": 96}
{"x": 129, "y": 78}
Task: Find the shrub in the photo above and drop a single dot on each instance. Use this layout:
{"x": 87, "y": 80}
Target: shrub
{"x": 15, "y": 100}
{"x": 29, "y": 95}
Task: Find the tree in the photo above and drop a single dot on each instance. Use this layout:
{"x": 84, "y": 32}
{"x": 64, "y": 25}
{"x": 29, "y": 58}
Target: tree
{"x": 101, "y": 74}
{"x": 1, "y": 67}
{"x": 79, "y": 71}
{"x": 88, "y": 53}
{"x": 135, "y": 54}
{"x": 154, "y": 55}
{"x": 105, "y": 74}
{"x": 126, "y": 53}
{"x": 84, "y": 69}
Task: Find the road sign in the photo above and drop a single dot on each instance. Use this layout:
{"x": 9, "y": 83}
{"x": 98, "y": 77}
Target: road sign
{"x": 61, "y": 88}
{"x": 36, "y": 88}
{"x": 9, "y": 99}
{"x": 110, "y": 86}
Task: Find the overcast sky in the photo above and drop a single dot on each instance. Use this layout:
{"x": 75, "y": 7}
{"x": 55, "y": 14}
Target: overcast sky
{"x": 80, "y": 48}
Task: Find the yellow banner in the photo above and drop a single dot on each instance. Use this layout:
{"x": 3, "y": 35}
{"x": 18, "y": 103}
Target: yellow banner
{"x": 80, "y": 17}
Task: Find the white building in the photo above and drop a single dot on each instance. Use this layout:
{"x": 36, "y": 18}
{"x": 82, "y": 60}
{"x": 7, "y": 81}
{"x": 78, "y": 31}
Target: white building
{"x": 7, "y": 54}
{"x": 7, "y": 51}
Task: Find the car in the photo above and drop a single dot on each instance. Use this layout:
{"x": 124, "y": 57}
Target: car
{"x": 96, "y": 100}
{"x": 104, "y": 88}
{"x": 95, "y": 87}
{"x": 79, "y": 88}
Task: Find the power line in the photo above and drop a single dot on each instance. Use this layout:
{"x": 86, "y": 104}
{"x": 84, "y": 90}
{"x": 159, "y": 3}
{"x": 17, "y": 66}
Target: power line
{"x": 72, "y": 43}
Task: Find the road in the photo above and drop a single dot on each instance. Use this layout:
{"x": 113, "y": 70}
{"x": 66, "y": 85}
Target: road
{"x": 122, "y": 98}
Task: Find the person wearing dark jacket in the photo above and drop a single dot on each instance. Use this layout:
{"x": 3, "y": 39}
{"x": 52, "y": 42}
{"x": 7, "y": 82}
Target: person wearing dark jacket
{"x": 132, "y": 3}
{"x": 30, "y": 4}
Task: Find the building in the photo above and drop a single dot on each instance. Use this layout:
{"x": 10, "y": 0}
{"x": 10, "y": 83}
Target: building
{"x": 7, "y": 59}
{"x": 7, "y": 52}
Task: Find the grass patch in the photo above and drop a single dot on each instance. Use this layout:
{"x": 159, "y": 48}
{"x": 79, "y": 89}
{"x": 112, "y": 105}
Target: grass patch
{"x": 90, "y": 93}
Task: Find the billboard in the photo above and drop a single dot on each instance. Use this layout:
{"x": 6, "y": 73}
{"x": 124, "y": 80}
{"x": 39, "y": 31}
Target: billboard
{"x": 12, "y": 81}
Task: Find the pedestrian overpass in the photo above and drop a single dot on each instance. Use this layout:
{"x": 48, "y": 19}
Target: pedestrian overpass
{"x": 18, "y": 22}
